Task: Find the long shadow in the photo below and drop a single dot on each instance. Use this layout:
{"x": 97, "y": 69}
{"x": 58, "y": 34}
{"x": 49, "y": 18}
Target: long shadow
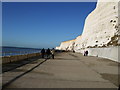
{"x": 15, "y": 78}
{"x": 13, "y": 65}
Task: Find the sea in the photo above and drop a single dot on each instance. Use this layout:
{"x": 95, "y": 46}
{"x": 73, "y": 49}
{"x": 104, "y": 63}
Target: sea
{"x": 11, "y": 51}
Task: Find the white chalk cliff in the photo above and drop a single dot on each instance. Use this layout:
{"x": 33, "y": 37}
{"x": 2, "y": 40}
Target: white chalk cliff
{"x": 101, "y": 28}
{"x": 67, "y": 45}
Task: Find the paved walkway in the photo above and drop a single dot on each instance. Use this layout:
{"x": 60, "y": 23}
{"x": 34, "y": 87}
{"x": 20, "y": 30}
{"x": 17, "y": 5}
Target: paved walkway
{"x": 70, "y": 70}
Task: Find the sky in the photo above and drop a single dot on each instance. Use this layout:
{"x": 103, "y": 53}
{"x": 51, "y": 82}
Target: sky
{"x": 43, "y": 24}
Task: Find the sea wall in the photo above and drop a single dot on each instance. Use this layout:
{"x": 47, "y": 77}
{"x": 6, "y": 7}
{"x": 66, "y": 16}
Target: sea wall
{"x": 101, "y": 33}
{"x": 9, "y": 59}
{"x": 105, "y": 52}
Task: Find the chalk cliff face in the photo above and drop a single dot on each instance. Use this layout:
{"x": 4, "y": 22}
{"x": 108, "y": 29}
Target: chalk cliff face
{"x": 67, "y": 45}
{"x": 101, "y": 26}
{"x": 101, "y": 29}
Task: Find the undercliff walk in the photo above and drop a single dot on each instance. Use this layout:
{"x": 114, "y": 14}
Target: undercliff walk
{"x": 69, "y": 70}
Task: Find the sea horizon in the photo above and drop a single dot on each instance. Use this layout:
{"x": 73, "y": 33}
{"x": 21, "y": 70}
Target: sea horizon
{"x": 12, "y": 50}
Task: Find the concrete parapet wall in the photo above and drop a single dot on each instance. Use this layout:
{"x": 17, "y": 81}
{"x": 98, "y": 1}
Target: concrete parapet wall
{"x": 8, "y": 59}
{"x": 107, "y": 52}
{"x": 5, "y": 59}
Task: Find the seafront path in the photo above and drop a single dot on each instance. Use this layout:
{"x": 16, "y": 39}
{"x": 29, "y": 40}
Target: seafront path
{"x": 67, "y": 70}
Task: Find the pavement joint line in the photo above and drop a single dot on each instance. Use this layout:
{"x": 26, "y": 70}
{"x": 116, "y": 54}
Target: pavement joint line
{"x": 6, "y": 84}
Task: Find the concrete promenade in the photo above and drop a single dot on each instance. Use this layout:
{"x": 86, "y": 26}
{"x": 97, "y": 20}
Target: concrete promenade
{"x": 69, "y": 70}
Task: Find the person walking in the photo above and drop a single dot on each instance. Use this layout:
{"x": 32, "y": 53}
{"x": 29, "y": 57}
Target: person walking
{"x": 73, "y": 51}
{"x": 87, "y": 53}
{"x": 43, "y": 52}
{"x": 53, "y": 52}
{"x": 48, "y": 53}
{"x": 84, "y": 53}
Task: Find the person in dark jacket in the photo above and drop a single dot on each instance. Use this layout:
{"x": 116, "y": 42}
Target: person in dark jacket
{"x": 84, "y": 53}
{"x": 43, "y": 53}
{"x": 48, "y": 52}
{"x": 87, "y": 53}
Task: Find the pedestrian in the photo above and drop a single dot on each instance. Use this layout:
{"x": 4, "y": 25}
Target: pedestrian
{"x": 87, "y": 53}
{"x": 84, "y": 53}
{"x": 43, "y": 52}
{"x": 53, "y": 52}
{"x": 73, "y": 51}
{"x": 48, "y": 52}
